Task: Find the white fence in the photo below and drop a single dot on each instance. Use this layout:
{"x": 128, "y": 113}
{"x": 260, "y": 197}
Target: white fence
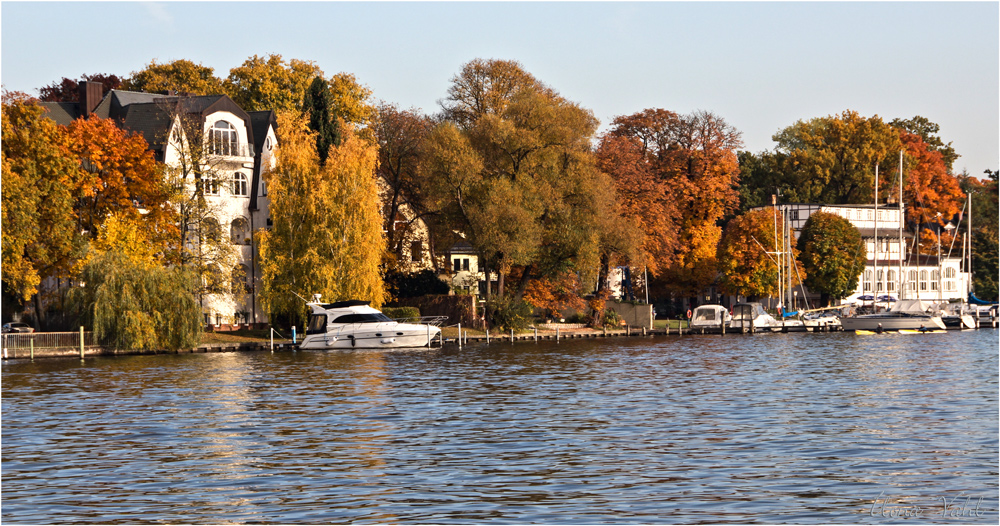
{"x": 46, "y": 340}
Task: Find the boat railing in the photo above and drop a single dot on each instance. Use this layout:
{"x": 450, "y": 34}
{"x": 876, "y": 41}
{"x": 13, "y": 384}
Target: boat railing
{"x": 434, "y": 321}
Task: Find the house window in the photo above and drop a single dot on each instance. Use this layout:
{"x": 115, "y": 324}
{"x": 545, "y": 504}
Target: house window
{"x": 211, "y": 184}
{"x": 878, "y": 281}
{"x": 949, "y": 273}
{"x": 935, "y": 278}
{"x": 465, "y": 264}
{"x": 891, "y": 283}
{"x": 225, "y": 140}
{"x": 416, "y": 251}
{"x": 923, "y": 280}
{"x": 239, "y": 184}
{"x": 458, "y": 264}
{"x": 868, "y": 281}
{"x": 913, "y": 280}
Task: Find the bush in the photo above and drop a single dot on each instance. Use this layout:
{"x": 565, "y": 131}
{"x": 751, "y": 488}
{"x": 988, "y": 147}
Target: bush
{"x": 507, "y": 313}
{"x": 612, "y": 319}
{"x": 402, "y": 313}
{"x": 423, "y": 283}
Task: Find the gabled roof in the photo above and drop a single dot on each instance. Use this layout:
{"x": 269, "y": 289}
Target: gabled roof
{"x": 62, "y": 113}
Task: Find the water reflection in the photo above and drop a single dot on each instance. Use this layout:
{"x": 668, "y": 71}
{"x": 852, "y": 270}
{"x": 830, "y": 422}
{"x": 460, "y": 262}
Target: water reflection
{"x": 769, "y": 428}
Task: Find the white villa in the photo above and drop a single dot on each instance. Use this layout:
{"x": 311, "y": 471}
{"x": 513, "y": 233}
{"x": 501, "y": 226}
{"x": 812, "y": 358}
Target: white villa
{"x": 891, "y": 268}
{"x": 240, "y": 146}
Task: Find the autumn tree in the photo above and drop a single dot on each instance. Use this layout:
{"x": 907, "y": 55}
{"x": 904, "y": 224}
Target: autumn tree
{"x": 271, "y": 83}
{"x": 985, "y": 233}
{"x": 182, "y": 76}
{"x": 832, "y": 159}
{"x": 745, "y": 267}
{"x": 68, "y": 90}
{"x": 832, "y": 254}
{"x": 327, "y": 237}
{"x": 129, "y": 298}
{"x": 927, "y": 131}
{"x": 41, "y": 238}
{"x": 118, "y": 174}
{"x": 401, "y": 136}
{"x": 512, "y": 168}
{"x": 932, "y": 196}
{"x": 692, "y": 158}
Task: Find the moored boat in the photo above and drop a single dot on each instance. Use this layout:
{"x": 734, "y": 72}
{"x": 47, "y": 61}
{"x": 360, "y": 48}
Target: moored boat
{"x": 905, "y": 314}
{"x": 355, "y": 324}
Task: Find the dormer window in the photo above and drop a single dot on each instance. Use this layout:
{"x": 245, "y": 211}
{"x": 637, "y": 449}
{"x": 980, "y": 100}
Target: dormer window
{"x": 225, "y": 140}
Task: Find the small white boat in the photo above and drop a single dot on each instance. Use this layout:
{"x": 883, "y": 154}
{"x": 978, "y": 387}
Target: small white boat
{"x": 752, "y": 316}
{"x": 957, "y": 316}
{"x": 356, "y": 325}
{"x": 905, "y": 314}
{"x": 710, "y": 317}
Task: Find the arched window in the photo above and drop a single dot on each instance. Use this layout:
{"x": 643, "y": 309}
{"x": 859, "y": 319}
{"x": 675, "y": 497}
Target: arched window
{"x": 890, "y": 284}
{"x": 239, "y": 231}
{"x": 225, "y": 140}
{"x": 240, "y": 185}
{"x": 935, "y": 278}
{"x": 868, "y": 280}
{"x": 949, "y": 272}
{"x": 923, "y": 280}
{"x": 913, "y": 280}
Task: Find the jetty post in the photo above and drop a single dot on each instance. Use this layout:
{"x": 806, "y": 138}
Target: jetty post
{"x": 81, "y": 342}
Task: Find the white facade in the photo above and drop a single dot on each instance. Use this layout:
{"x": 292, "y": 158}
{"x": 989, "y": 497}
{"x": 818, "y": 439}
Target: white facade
{"x": 891, "y": 269}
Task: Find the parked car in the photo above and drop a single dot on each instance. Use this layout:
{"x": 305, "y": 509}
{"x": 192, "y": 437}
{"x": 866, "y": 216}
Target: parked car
{"x": 16, "y": 326}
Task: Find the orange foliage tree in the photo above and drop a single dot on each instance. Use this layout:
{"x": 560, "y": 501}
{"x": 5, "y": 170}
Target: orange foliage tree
{"x": 677, "y": 175}
{"x": 118, "y": 175}
{"x": 932, "y": 196}
{"x": 745, "y": 267}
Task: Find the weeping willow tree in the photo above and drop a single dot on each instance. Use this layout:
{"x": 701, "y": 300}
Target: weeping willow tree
{"x": 327, "y": 229}
{"x": 130, "y": 299}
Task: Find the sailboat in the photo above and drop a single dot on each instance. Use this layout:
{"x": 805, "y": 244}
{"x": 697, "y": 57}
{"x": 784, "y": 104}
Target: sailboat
{"x": 905, "y": 314}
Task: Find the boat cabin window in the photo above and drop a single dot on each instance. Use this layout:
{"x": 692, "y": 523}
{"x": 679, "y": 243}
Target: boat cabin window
{"x": 375, "y": 317}
{"x": 317, "y": 324}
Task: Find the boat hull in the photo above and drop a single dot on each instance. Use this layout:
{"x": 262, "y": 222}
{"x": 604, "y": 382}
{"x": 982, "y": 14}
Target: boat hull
{"x": 378, "y": 337}
{"x": 871, "y": 322}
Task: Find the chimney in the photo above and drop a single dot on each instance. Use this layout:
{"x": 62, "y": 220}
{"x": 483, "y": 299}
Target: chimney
{"x": 90, "y": 96}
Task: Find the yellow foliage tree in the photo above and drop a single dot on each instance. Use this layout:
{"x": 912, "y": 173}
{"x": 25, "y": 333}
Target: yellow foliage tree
{"x": 327, "y": 236}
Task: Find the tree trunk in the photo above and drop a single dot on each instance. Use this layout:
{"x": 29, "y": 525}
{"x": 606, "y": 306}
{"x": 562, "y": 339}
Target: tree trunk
{"x": 605, "y": 270}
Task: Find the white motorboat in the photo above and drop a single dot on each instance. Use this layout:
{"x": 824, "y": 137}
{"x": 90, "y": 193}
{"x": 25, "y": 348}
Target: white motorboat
{"x": 710, "y": 317}
{"x": 752, "y": 316}
{"x": 905, "y": 314}
{"x": 356, "y": 325}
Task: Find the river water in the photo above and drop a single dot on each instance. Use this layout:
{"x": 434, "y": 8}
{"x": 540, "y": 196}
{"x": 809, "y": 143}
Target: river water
{"x": 774, "y": 428}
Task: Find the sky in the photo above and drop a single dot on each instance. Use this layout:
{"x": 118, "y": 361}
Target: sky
{"x": 760, "y": 66}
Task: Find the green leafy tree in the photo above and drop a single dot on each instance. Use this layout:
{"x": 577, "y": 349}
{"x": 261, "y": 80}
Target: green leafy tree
{"x": 130, "y": 299}
{"x": 832, "y": 255}
{"x": 327, "y": 236}
{"x": 986, "y": 233}
{"x": 41, "y": 237}
{"x": 832, "y": 159}
{"x": 319, "y": 107}
{"x": 182, "y": 76}
{"x": 271, "y": 83}
{"x": 512, "y": 167}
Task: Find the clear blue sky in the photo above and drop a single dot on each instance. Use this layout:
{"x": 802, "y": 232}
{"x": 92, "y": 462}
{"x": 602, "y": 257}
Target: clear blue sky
{"x": 761, "y": 66}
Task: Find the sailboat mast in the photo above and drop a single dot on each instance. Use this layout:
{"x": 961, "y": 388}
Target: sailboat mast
{"x": 970, "y": 291}
{"x": 875, "y": 252}
{"x": 901, "y": 280}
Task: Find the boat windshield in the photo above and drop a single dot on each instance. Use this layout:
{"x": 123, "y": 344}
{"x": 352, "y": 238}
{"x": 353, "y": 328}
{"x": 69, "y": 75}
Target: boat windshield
{"x": 373, "y": 317}
{"x": 317, "y": 324}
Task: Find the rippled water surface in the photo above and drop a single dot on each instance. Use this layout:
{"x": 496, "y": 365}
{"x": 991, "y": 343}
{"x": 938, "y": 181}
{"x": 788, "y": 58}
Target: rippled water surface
{"x": 776, "y": 428}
